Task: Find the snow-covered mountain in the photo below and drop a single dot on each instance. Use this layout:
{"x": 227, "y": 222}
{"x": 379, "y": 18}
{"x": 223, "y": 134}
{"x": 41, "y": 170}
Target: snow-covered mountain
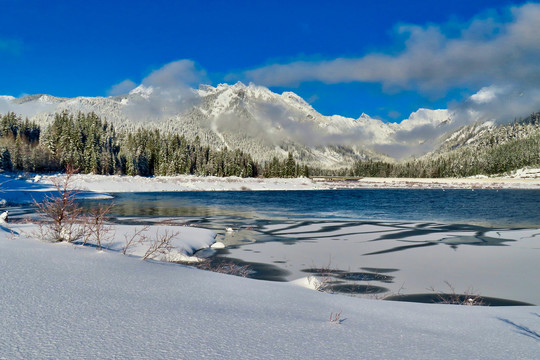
{"x": 248, "y": 117}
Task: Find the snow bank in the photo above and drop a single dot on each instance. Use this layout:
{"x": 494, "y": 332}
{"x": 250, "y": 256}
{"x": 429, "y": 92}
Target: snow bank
{"x": 185, "y": 241}
{"x": 105, "y": 184}
{"x": 188, "y": 183}
{"x": 65, "y": 302}
{"x": 182, "y": 241}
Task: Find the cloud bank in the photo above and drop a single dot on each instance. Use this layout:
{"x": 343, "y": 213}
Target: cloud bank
{"x": 494, "y": 49}
{"x": 168, "y": 91}
{"x": 498, "y": 53}
{"x": 122, "y": 88}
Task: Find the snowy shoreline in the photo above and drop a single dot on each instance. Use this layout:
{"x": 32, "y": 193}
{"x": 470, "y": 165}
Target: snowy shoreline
{"x": 77, "y": 302}
{"x": 33, "y": 187}
{"x": 117, "y": 183}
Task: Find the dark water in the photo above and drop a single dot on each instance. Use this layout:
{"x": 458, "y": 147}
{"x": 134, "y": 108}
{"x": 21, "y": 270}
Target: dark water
{"x": 487, "y": 207}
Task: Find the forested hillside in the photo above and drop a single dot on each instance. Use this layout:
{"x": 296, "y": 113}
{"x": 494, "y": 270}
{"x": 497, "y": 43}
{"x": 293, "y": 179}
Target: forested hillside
{"x": 91, "y": 145}
{"x": 473, "y": 150}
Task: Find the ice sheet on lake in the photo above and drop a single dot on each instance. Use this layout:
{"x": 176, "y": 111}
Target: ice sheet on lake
{"x": 499, "y": 263}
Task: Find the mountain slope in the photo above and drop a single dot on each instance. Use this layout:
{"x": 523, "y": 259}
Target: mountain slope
{"x": 249, "y": 117}
{"x": 488, "y": 148}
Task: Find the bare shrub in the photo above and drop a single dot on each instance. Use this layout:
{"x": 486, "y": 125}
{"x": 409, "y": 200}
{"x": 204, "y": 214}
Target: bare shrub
{"x": 322, "y": 281}
{"x": 469, "y": 297}
{"x": 336, "y": 318}
{"x": 136, "y": 238}
{"x": 96, "y": 228}
{"x": 161, "y": 244}
{"x": 221, "y": 267}
{"x": 61, "y": 210}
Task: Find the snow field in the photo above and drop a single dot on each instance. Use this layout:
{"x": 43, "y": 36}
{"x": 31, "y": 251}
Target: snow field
{"x": 63, "y": 301}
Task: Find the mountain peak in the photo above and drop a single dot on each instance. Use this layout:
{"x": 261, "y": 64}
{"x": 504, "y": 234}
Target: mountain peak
{"x": 143, "y": 91}
{"x": 39, "y": 98}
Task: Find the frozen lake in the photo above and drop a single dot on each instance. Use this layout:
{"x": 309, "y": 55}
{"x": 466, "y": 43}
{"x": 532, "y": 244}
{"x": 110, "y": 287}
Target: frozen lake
{"x": 376, "y": 242}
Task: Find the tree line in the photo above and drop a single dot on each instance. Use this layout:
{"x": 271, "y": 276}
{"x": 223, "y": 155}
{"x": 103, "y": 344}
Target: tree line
{"x": 502, "y": 149}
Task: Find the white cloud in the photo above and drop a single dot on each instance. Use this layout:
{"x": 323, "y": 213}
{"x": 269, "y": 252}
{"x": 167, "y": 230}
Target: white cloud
{"x": 180, "y": 73}
{"x": 171, "y": 91}
{"x": 498, "y": 54}
{"x": 485, "y": 95}
{"x": 122, "y": 88}
{"x": 488, "y": 50}
{"x": 27, "y": 109}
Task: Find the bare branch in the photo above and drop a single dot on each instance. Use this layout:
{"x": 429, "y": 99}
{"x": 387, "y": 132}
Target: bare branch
{"x": 221, "y": 267}
{"x": 95, "y": 227}
{"x": 336, "y": 318}
{"x": 61, "y": 210}
{"x": 161, "y": 244}
{"x": 136, "y": 238}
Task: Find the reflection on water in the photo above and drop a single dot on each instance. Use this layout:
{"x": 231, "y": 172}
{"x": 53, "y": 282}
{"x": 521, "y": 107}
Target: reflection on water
{"x": 490, "y": 207}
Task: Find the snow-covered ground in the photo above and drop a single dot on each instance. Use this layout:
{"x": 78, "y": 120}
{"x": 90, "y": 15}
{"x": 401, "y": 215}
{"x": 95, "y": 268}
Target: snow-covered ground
{"x": 65, "y": 301}
{"x": 523, "y": 179}
{"x": 410, "y": 258}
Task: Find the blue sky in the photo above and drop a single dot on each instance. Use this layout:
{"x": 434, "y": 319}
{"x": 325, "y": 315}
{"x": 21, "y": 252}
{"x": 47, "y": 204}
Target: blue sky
{"x": 384, "y": 58}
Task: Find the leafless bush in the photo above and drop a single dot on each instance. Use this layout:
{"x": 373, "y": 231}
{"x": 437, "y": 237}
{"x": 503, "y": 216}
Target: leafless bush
{"x": 161, "y": 244}
{"x": 61, "y": 210}
{"x": 229, "y": 268}
{"x": 469, "y": 297}
{"x": 96, "y": 228}
{"x": 136, "y": 238}
{"x": 336, "y": 318}
{"x": 321, "y": 281}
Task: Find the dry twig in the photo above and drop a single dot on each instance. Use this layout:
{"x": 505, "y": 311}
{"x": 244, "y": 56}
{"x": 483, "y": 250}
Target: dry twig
{"x": 161, "y": 244}
{"x": 96, "y": 228}
{"x": 136, "y": 238}
{"x": 336, "y": 318}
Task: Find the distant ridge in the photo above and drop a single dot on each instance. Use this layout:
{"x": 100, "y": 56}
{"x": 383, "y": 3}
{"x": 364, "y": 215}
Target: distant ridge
{"x": 252, "y": 118}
